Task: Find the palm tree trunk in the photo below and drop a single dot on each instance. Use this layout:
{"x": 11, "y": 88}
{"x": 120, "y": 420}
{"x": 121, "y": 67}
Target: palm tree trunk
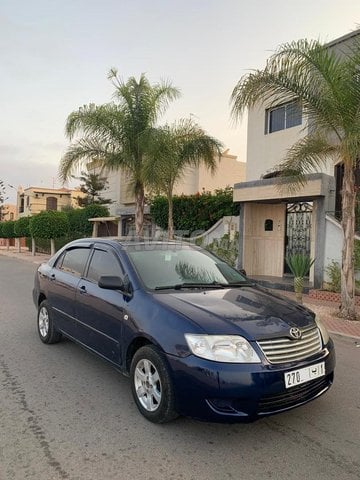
{"x": 139, "y": 211}
{"x": 347, "y": 307}
{"x": 170, "y": 217}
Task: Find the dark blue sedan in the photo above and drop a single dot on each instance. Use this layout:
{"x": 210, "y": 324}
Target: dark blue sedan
{"x": 196, "y": 337}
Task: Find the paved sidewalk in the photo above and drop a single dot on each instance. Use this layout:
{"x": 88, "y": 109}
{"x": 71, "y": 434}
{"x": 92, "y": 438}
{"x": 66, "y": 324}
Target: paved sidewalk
{"x": 24, "y": 255}
{"x": 327, "y": 311}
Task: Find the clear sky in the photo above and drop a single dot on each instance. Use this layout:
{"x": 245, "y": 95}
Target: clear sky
{"x": 55, "y": 56}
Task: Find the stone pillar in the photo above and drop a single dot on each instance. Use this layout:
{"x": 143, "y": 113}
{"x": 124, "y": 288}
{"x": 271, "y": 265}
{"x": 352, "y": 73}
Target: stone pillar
{"x": 119, "y": 229}
{"x": 240, "y": 261}
{"x": 95, "y": 229}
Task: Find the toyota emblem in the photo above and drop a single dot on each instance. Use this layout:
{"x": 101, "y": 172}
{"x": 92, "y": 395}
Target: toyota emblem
{"x": 295, "y": 333}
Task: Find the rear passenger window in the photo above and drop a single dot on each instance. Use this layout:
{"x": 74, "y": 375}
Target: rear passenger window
{"x": 103, "y": 263}
{"x": 74, "y": 261}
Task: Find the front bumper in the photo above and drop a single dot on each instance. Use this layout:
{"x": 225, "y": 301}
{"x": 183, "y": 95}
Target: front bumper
{"x": 226, "y": 392}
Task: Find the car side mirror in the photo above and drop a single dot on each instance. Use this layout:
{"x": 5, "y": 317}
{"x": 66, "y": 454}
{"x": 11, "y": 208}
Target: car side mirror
{"x": 242, "y": 271}
{"x": 111, "y": 282}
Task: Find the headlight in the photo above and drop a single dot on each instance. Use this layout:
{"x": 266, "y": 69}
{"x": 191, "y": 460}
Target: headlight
{"x": 324, "y": 333}
{"x": 222, "y": 348}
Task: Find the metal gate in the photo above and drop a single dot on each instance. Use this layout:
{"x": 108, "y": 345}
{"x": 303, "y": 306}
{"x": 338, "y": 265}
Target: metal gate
{"x": 298, "y": 230}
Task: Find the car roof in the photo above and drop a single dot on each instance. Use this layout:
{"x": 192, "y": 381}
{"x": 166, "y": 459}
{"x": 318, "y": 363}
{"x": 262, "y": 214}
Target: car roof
{"x": 132, "y": 241}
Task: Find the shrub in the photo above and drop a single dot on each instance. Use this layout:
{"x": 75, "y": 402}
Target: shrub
{"x": 357, "y": 255}
{"x": 21, "y": 227}
{"x": 79, "y": 224}
{"x": 7, "y": 230}
{"x": 49, "y": 224}
{"x": 333, "y": 271}
{"x": 194, "y": 212}
{"x": 299, "y": 264}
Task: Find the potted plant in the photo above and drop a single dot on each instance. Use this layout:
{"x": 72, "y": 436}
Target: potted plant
{"x": 299, "y": 265}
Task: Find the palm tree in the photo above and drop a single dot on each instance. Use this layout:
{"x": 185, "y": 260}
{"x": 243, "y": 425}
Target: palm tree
{"x": 328, "y": 87}
{"x": 173, "y": 149}
{"x": 114, "y": 134}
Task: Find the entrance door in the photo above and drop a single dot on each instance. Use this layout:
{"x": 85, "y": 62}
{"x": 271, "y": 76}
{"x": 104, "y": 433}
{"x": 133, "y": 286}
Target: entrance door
{"x": 264, "y": 232}
{"x": 298, "y": 230}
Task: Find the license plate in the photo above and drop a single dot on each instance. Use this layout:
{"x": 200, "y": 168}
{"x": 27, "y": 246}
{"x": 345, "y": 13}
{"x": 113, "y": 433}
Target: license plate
{"x": 297, "y": 377}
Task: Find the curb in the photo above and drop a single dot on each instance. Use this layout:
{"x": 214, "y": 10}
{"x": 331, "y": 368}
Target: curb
{"x": 347, "y": 335}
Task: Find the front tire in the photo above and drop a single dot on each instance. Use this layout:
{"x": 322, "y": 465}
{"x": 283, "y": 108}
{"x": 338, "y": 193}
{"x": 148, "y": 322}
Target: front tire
{"x": 45, "y": 324}
{"x": 152, "y": 386}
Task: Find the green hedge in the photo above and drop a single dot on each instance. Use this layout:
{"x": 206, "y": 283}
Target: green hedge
{"x": 79, "y": 219}
{"x": 7, "y": 229}
{"x": 43, "y": 244}
{"x": 74, "y": 224}
{"x": 21, "y": 227}
{"x": 49, "y": 224}
{"x": 194, "y": 212}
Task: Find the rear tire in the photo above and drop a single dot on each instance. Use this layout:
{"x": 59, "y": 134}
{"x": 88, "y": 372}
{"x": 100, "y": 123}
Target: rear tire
{"x": 151, "y": 385}
{"x": 45, "y": 325}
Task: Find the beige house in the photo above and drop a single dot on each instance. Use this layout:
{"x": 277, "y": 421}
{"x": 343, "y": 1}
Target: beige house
{"x": 8, "y": 212}
{"x": 33, "y": 200}
{"x": 273, "y": 222}
{"x": 198, "y": 179}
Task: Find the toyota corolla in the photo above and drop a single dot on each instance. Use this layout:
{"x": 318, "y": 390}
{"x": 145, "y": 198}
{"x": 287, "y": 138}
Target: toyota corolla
{"x": 195, "y": 336}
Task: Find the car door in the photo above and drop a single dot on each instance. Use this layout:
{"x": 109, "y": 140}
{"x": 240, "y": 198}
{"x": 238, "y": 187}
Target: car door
{"x": 63, "y": 280}
{"x": 101, "y": 311}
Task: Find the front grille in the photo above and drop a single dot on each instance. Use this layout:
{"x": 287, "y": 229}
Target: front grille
{"x": 294, "y": 396}
{"x": 283, "y": 350}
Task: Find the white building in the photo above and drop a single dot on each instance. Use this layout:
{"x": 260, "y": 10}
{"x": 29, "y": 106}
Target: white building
{"x": 274, "y": 223}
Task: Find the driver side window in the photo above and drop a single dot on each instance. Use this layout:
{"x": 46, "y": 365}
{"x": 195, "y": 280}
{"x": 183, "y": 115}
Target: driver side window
{"x": 103, "y": 263}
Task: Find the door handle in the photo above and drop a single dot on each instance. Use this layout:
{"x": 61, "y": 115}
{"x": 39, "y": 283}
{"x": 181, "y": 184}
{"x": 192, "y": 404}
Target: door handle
{"x": 83, "y": 289}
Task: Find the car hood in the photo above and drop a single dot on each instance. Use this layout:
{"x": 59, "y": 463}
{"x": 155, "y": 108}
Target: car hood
{"x": 250, "y": 311}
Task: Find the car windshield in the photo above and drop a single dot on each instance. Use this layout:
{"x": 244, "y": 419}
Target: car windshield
{"x": 171, "y": 266}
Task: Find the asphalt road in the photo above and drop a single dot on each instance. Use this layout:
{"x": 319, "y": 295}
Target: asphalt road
{"x": 65, "y": 414}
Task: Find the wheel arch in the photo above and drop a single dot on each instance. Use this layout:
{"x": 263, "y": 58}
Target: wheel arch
{"x": 41, "y": 298}
{"x": 135, "y": 345}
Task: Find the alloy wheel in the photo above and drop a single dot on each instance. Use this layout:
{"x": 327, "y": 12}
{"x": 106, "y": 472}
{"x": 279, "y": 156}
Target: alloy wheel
{"x": 147, "y": 385}
{"x": 43, "y": 322}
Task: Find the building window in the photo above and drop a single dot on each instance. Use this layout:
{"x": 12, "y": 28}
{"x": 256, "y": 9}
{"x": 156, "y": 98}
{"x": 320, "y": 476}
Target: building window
{"x": 269, "y": 225}
{"x": 51, "y": 203}
{"x": 282, "y": 117}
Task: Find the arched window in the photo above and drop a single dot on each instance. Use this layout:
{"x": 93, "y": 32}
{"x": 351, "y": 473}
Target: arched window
{"x": 51, "y": 203}
{"x": 269, "y": 225}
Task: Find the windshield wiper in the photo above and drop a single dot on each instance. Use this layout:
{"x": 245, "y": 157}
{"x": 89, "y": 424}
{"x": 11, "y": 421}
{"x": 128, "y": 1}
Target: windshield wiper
{"x": 179, "y": 286}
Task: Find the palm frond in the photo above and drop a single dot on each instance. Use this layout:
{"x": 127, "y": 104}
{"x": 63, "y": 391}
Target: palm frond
{"x": 304, "y": 70}
{"x": 141, "y": 99}
{"x": 176, "y": 148}
{"x": 103, "y": 121}
{"x": 306, "y": 156}
{"x": 84, "y": 149}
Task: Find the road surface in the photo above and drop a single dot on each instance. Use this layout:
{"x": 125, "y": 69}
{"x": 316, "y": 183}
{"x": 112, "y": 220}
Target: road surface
{"x": 66, "y": 414}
